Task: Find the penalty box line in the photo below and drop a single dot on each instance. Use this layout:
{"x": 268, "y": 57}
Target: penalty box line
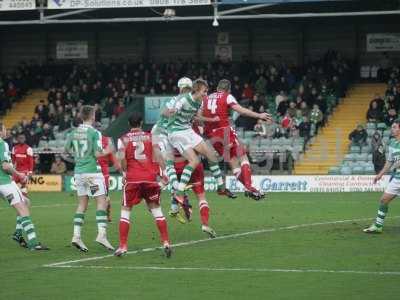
{"x": 223, "y": 237}
{"x": 257, "y": 270}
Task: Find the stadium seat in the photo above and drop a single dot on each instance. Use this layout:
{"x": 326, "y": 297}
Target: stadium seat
{"x": 381, "y": 126}
{"x": 369, "y": 170}
{"x": 370, "y": 125}
{"x": 52, "y": 144}
{"x": 369, "y": 157}
{"x": 43, "y": 144}
{"x": 362, "y": 157}
{"x": 334, "y": 171}
{"x": 366, "y": 149}
{"x": 357, "y": 170}
{"x": 370, "y": 132}
{"x": 249, "y": 134}
{"x": 345, "y": 171}
{"x": 349, "y": 157}
{"x": 355, "y": 149}
{"x": 387, "y": 133}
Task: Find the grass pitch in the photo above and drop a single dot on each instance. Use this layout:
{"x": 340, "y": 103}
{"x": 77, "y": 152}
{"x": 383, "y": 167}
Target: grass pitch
{"x": 290, "y": 246}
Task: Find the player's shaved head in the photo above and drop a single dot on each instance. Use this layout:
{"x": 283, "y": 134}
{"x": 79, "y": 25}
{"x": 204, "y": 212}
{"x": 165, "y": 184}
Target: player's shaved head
{"x": 87, "y": 113}
{"x": 135, "y": 120}
{"x": 224, "y": 85}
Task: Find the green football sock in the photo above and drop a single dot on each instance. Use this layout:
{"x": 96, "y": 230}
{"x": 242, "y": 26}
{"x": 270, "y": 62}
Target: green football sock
{"x": 101, "y": 220}
{"x": 29, "y": 230}
{"x": 185, "y": 178}
{"x": 18, "y": 227}
{"x": 171, "y": 174}
{"x": 380, "y": 218}
{"x": 78, "y": 223}
{"x": 216, "y": 172}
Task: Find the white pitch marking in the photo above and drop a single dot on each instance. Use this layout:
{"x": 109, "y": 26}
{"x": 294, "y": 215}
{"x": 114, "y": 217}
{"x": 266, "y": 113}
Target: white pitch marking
{"x": 264, "y": 270}
{"x": 44, "y": 206}
{"x": 236, "y": 235}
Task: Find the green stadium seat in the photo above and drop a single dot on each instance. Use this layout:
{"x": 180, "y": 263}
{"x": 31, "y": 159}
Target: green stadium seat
{"x": 249, "y": 134}
{"x": 370, "y": 132}
{"x": 370, "y": 125}
{"x": 362, "y": 157}
{"x": 369, "y": 157}
{"x": 355, "y": 149}
{"x": 369, "y": 170}
{"x": 334, "y": 171}
{"x": 366, "y": 149}
{"x": 387, "y": 133}
{"x": 349, "y": 157}
{"x": 381, "y": 126}
{"x": 358, "y": 170}
{"x": 345, "y": 171}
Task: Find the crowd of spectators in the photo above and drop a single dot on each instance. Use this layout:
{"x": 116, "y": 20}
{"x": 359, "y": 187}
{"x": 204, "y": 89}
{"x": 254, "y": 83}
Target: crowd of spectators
{"x": 298, "y": 93}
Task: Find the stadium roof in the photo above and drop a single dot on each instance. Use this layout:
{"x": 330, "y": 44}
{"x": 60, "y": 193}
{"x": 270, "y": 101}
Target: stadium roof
{"x": 216, "y": 11}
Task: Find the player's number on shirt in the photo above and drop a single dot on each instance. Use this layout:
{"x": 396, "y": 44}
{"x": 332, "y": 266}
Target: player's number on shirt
{"x": 139, "y": 149}
{"x": 212, "y": 105}
{"x": 80, "y": 147}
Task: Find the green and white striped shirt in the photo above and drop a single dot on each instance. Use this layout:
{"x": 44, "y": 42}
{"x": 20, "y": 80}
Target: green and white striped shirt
{"x": 394, "y": 157}
{"x": 186, "y": 109}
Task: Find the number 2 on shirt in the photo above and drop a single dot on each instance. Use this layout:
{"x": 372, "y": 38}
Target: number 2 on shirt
{"x": 139, "y": 149}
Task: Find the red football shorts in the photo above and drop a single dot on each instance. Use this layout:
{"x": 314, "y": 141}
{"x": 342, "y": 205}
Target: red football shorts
{"x": 225, "y": 142}
{"x": 133, "y": 193}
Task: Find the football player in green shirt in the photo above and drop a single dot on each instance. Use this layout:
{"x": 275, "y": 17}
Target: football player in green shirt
{"x": 12, "y": 193}
{"x": 84, "y": 144}
{"x": 393, "y": 188}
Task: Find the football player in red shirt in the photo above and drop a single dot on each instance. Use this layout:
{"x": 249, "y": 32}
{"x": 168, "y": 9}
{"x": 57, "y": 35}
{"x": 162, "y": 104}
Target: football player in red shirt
{"x": 135, "y": 151}
{"x": 104, "y": 162}
{"x": 23, "y": 161}
{"x": 223, "y": 137}
{"x": 197, "y": 183}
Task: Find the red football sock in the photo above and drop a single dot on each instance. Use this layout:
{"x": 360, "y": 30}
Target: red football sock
{"x": 124, "y": 225}
{"x": 163, "y": 229}
{"x": 204, "y": 212}
{"x": 245, "y": 176}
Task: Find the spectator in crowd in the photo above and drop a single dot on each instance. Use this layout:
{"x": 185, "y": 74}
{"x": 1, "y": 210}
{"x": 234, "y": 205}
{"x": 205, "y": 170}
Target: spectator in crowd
{"x": 248, "y": 92}
{"x": 65, "y": 123}
{"x": 292, "y": 110}
{"x": 378, "y": 152}
{"x": 374, "y": 114}
{"x": 256, "y": 105}
{"x": 280, "y": 97}
{"x": 261, "y": 85}
{"x": 305, "y": 128}
{"x": 119, "y": 109}
{"x": 358, "y": 136}
{"x": 282, "y": 107}
{"x": 109, "y": 107}
{"x": 390, "y": 117}
{"x": 316, "y": 118}
{"x": 287, "y": 123}
{"x": 58, "y": 166}
{"x": 379, "y": 101}
{"x": 305, "y": 111}
{"x": 260, "y": 128}
{"x": 297, "y": 118}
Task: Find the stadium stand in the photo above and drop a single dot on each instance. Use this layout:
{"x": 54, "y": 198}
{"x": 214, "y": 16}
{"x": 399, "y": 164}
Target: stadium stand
{"x": 367, "y": 156}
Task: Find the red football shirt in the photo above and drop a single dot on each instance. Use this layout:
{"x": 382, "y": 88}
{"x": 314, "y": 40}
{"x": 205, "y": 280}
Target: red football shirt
{"x": 104, "y": 161}
{"x": 22, "y": 158}
{"x": 138, "y": 150}
{"x": 217, "y": 104}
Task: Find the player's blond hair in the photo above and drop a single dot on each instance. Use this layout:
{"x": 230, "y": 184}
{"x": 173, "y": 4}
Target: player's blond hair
{"x": 87, "y": 112}
{"x": 224, "y": 85}
{"x": 198, "y": 83}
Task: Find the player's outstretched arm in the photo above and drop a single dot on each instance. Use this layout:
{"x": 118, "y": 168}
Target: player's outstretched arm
{"x": 199, "y": 117}
{"x": 249, "y": 113}
{"x": 384, "y": 170}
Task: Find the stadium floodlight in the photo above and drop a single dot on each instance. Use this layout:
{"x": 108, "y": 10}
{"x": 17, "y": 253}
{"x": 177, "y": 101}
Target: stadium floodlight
{"x": 215, "y": 22}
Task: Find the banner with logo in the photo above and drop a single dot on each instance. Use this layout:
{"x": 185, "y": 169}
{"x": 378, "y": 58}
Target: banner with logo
{"x": 152, "y": 108}
{"x": 74, "y": 4}
{"x": 378, "y": 42}
{"x": 17, "y": 5}
{"x": 287, "y": 183}
{"x": 72, "y": 50}
{"x": 45, "y": 183}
